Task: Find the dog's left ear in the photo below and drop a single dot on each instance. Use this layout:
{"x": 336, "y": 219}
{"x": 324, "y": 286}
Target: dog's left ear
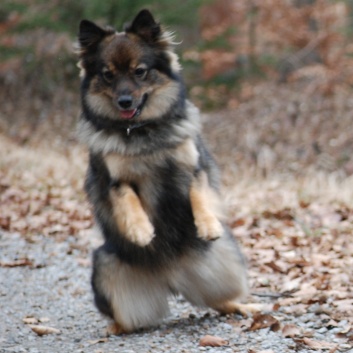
{"x": 90, "y": 34}
{"x": 145, "y": 26}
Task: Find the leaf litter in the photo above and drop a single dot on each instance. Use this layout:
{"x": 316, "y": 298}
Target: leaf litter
{"x": 213, "y": 341}
{"x": 299, "y": 257}
{"x": 295, "y": 233}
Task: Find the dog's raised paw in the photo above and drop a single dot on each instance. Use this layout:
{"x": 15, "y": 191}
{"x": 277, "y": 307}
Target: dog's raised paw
{"x": 209, "y": 228}
{"x": 141, "y": 233}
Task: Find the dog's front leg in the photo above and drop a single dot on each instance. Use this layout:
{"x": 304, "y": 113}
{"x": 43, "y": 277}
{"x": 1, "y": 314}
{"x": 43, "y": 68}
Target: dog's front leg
{"x": 131, "y": 219}
{"x": 206, "y": 208}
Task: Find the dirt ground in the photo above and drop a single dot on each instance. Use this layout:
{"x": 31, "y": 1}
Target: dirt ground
{"x": 286, "y": 157}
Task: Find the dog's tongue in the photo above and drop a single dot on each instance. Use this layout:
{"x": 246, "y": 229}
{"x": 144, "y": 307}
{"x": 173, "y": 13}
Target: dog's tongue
{"x": 127, "y": 114}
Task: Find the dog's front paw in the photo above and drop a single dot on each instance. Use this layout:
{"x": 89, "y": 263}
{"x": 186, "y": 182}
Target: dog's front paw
{"x": 141, "y": 233}
{"x": 209, "y": 228}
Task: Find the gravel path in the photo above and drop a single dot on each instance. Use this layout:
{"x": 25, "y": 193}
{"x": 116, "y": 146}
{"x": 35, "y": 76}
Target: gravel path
{"x": 48, "y": 284}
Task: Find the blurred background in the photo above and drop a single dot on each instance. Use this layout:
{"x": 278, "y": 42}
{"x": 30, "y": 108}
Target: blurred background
{"x": 273, "y": 79}
{"x": 290, "y": 59}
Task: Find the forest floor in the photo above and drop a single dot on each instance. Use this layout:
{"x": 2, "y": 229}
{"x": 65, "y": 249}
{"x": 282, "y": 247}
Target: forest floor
{"x": 286, "y": 157}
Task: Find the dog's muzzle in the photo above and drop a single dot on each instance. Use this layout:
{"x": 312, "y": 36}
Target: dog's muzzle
{"x": 125, "y": 102}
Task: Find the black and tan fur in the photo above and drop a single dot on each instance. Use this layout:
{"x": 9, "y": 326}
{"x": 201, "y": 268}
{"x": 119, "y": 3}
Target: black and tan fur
{"x": 153, "y": 185}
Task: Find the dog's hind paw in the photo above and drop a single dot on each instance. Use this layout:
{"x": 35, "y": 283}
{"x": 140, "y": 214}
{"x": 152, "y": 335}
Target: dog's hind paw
{"x": 115, "y": 329}
{"x": 141, "y": 233}
{"x": 209, "y": 228}
{"x": 244, "y": 310}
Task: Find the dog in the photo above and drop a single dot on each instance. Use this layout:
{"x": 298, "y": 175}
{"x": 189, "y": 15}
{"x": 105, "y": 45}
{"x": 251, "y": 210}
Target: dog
{"x": 151, "y": 180}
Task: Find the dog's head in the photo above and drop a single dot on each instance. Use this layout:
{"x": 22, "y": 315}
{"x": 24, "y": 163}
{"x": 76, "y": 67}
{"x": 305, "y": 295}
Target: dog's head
{"x": 130, "y": 75}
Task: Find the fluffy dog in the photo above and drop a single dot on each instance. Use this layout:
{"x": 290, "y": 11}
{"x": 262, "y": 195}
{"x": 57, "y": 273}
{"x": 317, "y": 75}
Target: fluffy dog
{"x": 153, "y": 184}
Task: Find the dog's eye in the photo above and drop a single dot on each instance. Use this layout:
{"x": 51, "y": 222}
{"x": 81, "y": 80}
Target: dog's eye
{"x": 108, "y": 76}
{"x": 140, "y": 72}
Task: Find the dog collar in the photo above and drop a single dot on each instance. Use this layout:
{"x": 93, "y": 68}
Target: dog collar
{"x": 135, "y": 126}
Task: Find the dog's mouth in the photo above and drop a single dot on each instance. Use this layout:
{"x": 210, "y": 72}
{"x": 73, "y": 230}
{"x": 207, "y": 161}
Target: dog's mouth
{"x": 128, "y": 114}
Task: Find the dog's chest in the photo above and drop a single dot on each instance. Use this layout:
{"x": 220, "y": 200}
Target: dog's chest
{"x": 140, "y": 168}
{"x": 166, "y": 172}
{"x": 131, "y": 169}
{"x": 142, "y": 172}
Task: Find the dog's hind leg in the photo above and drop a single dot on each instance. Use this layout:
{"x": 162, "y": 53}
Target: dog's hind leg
{"x": 133, "y": 297}
{"x": 215, "y": 278}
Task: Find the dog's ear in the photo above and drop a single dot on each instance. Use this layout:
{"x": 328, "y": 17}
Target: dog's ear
{"x": 145, "y": 26}
{"x": 90, "y": 34}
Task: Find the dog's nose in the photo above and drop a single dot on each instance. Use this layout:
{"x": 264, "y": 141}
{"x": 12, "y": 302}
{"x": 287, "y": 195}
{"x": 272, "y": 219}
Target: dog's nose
{"x": 125, "y": 101}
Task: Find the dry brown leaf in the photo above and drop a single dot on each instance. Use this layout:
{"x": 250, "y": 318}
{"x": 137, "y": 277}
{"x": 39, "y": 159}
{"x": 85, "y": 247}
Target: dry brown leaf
{"x": 344, "y": 305}
{"x": 30, "y": 320}
{"x": 238, "y": 222}
{"x": 291, "y": 330}
{"x": 276, "y": 266}
{"x": 84, "y": 262}
{"x": 291, "y": 285}
{"x": 100, "y": 340}
{"x": 334, "y": 349}
{"x": 331, "y": 324}
{"x": 212, "y": 341}
{"x": 275, "y": 326}
{"x": 313, "y": 344}
{"x": 346, "y": 330}
{"x": 16, "y": 263}
{"x": 347, "y": 333}
{"x": 43, "y": 319}
{"x": 262, "y": 321}
{"x": 44, "y": 330}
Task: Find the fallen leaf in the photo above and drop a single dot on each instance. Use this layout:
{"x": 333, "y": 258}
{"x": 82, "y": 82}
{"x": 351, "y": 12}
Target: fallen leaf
{"x": 291, "y": 285}
{"x": 30, "y": 320}
{"x": 276, "y": 266}
{"x": 44, "y": 319}
{"x": 213, "y": 341}
{"x": 316, "y": 344}
{"x": 332, "y": 324}
{"x": 346, "y": 329}
{"x": 238, "y": 222}
{"x": 291, "y": 330}
{"x": 347, "y": 332}
{"x": 100, "y": 340}
{"x": 275, "y": 326}
{"x": 16, "y": 263}
{"x": 262, "y": 321}
{"x": 84, "y": 262}
{"x": 344, "y": 305}
{"x": 43, "y": 330}
{"x": 334, "y": 349}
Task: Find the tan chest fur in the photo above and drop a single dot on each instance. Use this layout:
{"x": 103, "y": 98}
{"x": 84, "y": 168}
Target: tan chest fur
{"x": 141, "y": 170}
{"x": 135, "y": 168}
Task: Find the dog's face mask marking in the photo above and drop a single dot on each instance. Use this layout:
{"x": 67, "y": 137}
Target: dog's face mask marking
{"x": 130, "y": 75}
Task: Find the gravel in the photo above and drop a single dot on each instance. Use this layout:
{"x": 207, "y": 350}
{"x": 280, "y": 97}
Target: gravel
{"x": 54, "y": 289}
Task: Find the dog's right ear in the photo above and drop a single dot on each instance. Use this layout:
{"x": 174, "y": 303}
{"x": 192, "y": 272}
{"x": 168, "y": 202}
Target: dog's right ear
{"x": 90, "y": 34}
{"x": 145, "y": 26}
